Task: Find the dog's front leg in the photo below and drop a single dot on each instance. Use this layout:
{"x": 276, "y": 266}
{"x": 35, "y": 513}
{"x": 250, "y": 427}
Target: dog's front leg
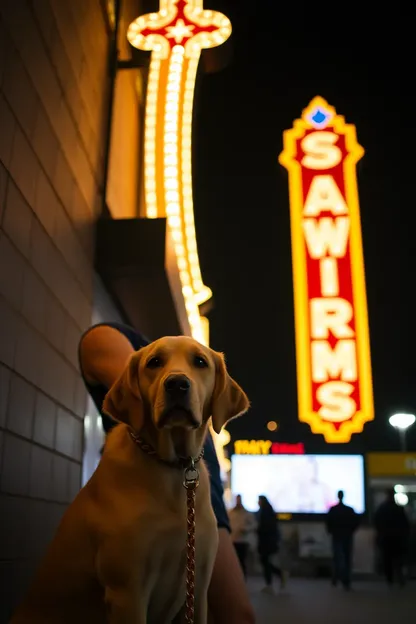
{"x": 201, "y": 608}
{"x": 119, "y": 574}
{"x": 201, "y": 595}
{"x": 124, "y": 607}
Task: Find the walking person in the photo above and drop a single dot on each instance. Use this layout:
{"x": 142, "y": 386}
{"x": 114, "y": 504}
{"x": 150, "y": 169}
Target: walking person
{"x": 342, "y": 522}
{"x": 393, "y": 532}
{"x": 242, "y": 524}
{"x": 268, "y": 535}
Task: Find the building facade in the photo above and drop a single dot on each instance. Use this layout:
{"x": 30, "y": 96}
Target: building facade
{"x": 53, "y": 104}
{"x": 71, "y": 121}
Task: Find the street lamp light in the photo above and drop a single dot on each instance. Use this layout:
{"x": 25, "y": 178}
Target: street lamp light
{"x": 402, "y": 422}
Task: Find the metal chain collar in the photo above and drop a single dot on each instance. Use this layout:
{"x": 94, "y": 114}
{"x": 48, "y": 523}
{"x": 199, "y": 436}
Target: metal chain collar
{"x": 179, "y": 462}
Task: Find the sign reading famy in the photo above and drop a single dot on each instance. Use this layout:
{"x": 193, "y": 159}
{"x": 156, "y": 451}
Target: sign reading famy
{"x": 267, "y": 447}
{"x": 332, "y": 339}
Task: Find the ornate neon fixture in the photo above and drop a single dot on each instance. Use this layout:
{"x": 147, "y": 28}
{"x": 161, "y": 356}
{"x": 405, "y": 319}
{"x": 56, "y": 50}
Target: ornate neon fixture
{"x": 335, "y": 394}
{"x": 175, "y": 36}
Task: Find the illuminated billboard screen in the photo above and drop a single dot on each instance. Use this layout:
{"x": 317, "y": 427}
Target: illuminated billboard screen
{"x": 335, "y": 395}
{"x": 299, "y": 484}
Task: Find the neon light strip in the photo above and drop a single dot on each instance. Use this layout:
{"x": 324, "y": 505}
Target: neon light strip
{"x": 202, "y": 293}
{"x": 171, "y": 182}
{"x": 170, "y": 194}
{"x": 150, "y": 139}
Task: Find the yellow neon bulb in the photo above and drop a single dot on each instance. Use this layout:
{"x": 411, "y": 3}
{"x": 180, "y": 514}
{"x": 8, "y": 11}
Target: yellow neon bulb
{"x": 330, "y": 123}
{"x": 176, "y": 35}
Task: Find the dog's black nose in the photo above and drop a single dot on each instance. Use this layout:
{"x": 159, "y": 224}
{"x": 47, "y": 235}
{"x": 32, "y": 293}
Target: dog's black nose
{"x": 177, "y": 385}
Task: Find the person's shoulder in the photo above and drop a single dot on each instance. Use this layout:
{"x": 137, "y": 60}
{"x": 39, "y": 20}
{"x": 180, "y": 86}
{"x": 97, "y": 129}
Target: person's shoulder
{"x": 211, "y": 461}
{"x": 210, "y": 454}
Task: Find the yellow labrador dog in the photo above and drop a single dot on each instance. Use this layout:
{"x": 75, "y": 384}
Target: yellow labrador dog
{"x": 119, "y": 552}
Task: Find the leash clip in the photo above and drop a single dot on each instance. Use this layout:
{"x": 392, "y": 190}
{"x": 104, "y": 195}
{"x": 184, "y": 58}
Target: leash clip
{"x": 191, "y": 475}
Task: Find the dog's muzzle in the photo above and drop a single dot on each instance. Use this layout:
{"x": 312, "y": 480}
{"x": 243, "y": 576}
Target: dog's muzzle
{"x": 177, "y": 416}
{"x": 177, "y": 412}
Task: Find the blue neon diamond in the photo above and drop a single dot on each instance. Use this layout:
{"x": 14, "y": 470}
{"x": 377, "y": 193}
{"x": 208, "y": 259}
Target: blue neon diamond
{"x": 320, "y": 118}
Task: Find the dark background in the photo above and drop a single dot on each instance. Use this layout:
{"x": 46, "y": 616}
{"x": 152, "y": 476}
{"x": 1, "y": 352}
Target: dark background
{"x": 283, "y": 56}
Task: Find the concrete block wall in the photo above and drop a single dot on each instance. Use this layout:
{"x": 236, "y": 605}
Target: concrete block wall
{"x": 53, "y": 88}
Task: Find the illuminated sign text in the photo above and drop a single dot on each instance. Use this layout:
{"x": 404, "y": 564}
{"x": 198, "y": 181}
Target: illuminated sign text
{"x": 266, "y": 447}
{"x": 332, "y": 340}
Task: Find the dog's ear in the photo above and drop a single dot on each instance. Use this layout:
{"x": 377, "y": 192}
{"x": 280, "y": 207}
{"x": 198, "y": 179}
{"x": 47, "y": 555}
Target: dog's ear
{"x": 229, "y": 400}
{"x": 123, "y": 402}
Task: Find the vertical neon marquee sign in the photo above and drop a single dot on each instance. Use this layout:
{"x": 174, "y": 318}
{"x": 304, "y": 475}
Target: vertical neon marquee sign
{"x": 176, "y": 35}
{"x": 335, "y": 395}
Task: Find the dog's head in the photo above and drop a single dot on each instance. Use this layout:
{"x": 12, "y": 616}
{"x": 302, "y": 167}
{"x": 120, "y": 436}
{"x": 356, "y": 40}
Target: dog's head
{"x": 171, "y": 388}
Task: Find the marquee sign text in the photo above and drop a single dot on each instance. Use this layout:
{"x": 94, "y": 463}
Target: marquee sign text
{"x": 335, "y": 394}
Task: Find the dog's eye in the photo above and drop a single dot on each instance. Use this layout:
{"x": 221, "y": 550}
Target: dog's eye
{"x": 200, "y": 362}
{"x": 154, "y": 362}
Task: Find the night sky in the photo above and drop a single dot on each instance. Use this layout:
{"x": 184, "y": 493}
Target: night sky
{"x": 283, "y": 58}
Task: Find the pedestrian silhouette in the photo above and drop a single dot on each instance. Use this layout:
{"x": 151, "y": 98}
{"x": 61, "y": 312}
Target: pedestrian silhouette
{"x": 342, "y": 522}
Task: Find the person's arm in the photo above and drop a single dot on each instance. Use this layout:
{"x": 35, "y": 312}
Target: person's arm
{"x": 252, "y": 523}
{"x": 378, "y": 520}
{"x": 328, "y": 521}
{"x": 278, "y": 532}
{"x": 103, "y": 355}
{"x": 405, "y": 522}
{"x": 228, "y": 599}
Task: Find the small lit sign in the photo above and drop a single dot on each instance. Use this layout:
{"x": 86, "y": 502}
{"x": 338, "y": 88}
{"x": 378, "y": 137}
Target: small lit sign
{"x": 266, "y": 447}
{"x": 391, "y": 464}
{"x": 252, "y": 447}
{"x": 282, "y": 448}
{"x": 335, "y": 394}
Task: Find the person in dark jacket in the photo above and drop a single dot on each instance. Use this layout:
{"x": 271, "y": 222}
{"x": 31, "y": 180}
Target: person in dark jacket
{"x": 268, "y": 539}
{"x": 341, "y": 523}
{"x": 393, "y": 531}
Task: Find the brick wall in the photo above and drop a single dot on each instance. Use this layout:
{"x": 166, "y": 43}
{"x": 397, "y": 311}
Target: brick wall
{"x": 53, "y": 87}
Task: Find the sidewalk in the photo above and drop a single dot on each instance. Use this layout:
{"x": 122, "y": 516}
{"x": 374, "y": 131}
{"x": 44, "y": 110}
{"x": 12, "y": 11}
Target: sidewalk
{"x": 316, "y": 602}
